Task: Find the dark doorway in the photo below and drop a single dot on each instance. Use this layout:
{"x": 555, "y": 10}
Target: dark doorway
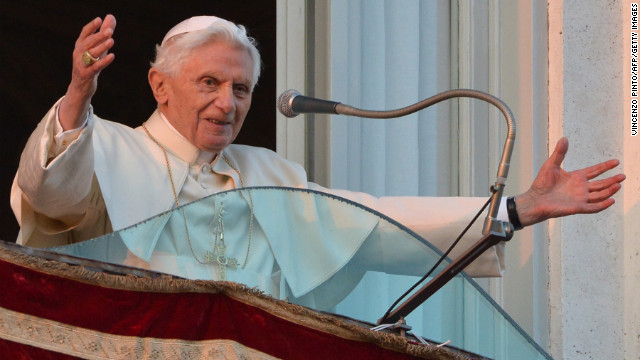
{"x": 36, "y": 41}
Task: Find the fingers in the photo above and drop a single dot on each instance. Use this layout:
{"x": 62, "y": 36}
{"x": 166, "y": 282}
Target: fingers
{"x": 89, "y": 29}
{"x": 598, "y": 169}
{"x": 599, "y": 196}
{"x": 559, "y": 152}
{"x": 97, "y": 44}
{"x": 601, "y": 191}
{"x": 95, "y": 40}
{"x": 109, "y": 23}
{"x": 107, "y": 28}
{"x": 597, "y": 207}
{"x": 100, "y": 50}
{"x": 605, "y": 183}
{"x": 102, "y": 63}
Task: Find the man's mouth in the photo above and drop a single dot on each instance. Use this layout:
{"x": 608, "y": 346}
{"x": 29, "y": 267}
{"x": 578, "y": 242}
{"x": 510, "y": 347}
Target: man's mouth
{"x": 218, "y": 122}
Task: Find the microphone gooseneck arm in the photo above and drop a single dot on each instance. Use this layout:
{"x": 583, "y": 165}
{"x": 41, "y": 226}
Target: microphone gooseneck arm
{"x": 291, "y": 103}
{"x": 503, "y": 168}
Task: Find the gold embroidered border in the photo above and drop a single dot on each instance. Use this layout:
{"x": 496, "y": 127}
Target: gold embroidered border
{"x": 90, "y": 344}
{"x": 253, "y": 297}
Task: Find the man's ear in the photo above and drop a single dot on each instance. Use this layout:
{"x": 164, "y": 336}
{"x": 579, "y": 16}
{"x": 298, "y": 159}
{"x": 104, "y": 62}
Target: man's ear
{"x": 158, "y": 83}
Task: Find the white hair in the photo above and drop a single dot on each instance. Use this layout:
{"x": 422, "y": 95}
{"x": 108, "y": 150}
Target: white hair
{"x": 171, "y": 54}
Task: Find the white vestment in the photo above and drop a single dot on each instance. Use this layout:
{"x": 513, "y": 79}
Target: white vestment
{"x": 112, "y": 177}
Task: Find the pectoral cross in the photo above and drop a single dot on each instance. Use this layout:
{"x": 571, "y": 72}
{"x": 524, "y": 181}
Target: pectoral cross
{"x": 219, "y": 256}
{"x": 219, "y": 253}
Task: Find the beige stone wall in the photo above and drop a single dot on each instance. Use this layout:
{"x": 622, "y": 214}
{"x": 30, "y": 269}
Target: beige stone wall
{"x": 593, "y": 287}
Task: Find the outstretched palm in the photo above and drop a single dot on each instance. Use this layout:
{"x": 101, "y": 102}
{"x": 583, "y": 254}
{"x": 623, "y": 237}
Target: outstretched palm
{"x": 556, "y": 192}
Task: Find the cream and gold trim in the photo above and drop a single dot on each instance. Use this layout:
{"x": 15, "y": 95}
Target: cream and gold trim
{"x": 90, "y": 344}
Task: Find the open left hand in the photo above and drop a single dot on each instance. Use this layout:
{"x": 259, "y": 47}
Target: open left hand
{"x": 556, "y": 192}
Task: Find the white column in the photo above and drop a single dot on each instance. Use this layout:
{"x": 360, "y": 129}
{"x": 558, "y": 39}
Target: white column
{"x": 593, "y": 272}
{"x": 291, "y": 74}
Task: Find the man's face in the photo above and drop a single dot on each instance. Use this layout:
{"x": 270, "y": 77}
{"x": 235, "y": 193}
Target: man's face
{"x": 210, "y": 96}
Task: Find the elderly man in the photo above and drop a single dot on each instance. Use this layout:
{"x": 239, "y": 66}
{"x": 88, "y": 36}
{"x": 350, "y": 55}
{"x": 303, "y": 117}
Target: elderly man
{"x": 81, "y": 176}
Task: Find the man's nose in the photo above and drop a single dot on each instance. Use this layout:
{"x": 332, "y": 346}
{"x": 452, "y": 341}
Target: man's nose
{"x": 225, "y": 99}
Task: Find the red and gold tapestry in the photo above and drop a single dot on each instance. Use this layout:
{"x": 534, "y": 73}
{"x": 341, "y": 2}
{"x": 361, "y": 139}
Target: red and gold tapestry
{"x": 52, "y": 310}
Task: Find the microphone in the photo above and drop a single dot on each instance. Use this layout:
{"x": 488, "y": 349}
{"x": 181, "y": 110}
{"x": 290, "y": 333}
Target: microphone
{"x": 291, "y": 103}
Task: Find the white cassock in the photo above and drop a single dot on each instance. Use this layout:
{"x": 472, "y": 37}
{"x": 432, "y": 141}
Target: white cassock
{"x": 107, "y": 177}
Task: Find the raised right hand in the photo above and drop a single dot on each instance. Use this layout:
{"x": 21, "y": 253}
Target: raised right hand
{"x": 84, "y": 78}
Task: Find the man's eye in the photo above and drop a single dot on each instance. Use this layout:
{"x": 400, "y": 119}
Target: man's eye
{"x": 241, "y": 89}
{"x": 209, "y": 82}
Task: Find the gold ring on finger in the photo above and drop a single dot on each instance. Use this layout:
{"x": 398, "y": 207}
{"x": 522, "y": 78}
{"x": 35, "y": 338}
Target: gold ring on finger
{"x": 87, "y": 58}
